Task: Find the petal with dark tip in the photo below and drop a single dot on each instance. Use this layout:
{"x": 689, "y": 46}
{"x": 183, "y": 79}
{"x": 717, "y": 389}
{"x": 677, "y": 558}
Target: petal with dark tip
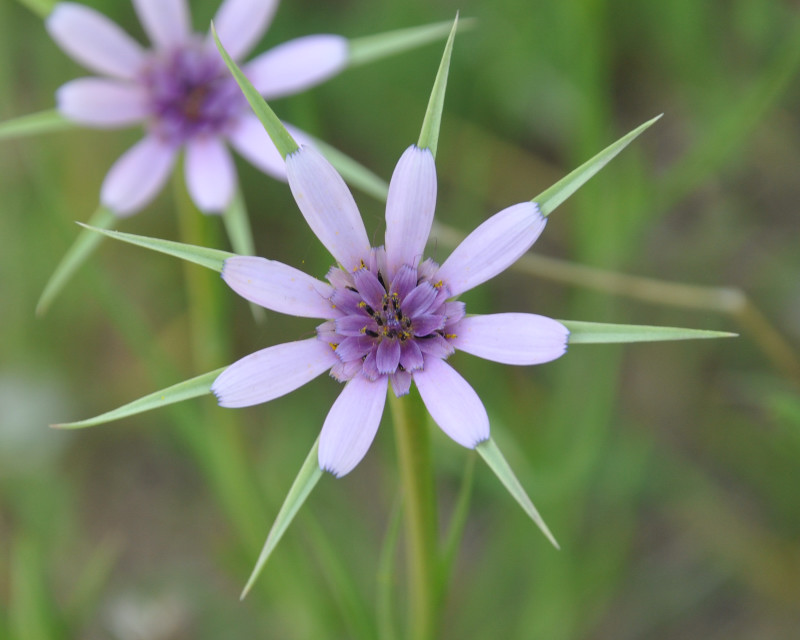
{"x": 493, "y": 247}
{"x": 328, "y": 206}
{"x": 272, "y": 372}
{"x": 351, "y": 425}
{"x": 512, "y": 338}
{"x": 452, "y": 403}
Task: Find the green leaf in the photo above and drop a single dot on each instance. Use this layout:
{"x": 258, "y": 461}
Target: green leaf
{"x": 429, "y": 136}
{"x": 458, "y": 520}
{"x": 306, "y": 480}
{"x": 33, "y": 124}
{"x": 42, "y": 8}
{"x": 381, "y": 45}
{"x": 491, "y": 453}
{"x": 280, "y": 136}
{"x": 205, "y": 257}
{"x": 76, "y": 255}
{"x": 550, "y": 198}
{"x": 602, "y": 333}
{"x": 194, "y": 388}
{"x": 353, "y": 173}
{"x": 240, "y": 234}
{"x": 237, "y": 225}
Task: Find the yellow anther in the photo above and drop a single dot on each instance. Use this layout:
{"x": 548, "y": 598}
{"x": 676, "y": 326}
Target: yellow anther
{"x": 438, "y": 285}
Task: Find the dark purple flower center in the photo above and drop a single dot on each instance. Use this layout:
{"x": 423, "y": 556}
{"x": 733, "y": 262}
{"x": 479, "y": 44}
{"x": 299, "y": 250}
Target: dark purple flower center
{"x": 388, "y": 326}
{"x": 191, "y": 94}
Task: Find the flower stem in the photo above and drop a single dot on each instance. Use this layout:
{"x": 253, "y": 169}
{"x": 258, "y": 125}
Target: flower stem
{"x": 420, "y": 518}
{"x": 221, "y": 454}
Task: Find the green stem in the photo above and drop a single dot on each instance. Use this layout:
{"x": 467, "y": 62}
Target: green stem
{"x": 217, "y": 444}
{"x": 420, "y": 518}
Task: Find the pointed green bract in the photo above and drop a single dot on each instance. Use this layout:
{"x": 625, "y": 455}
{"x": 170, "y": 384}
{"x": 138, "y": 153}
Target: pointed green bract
{"x": 76, "y": 255}
{"x": 42, "y": 8}
{"x": 280, "y": 136}
{"x": 193, "y": 388}
{"x": 306, "y": 480}
{"x": 549, "y": 199}
{"x": 602, "y": 333}
{"x": 205, "y": 257}
{"x": 389, "y": 43}
{"x": 429, "y": 136}
{"x": 34, "y": 124}
{"x": 354, "y": 173}
{"x": 491, "y": 453}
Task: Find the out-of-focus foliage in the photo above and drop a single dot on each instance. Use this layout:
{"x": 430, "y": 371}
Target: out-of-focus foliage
{"x": 667, "y": 472}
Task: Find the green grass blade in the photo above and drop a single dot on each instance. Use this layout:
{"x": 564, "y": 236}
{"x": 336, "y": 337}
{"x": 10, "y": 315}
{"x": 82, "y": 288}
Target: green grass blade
{"x": 237, "y": 225}
{"x": 354, "y": 173}
{"x": 458, "y": 520}
{"x": 41, "y": 8}
{"x": 76, "y": 255}
{"x": 280, "y": 136}
{"x": 371, "y": 48}
{"x": 491, "y": 453}
{"x": 205, "y": 257}
{"x": 550, "y": 198}
{"x": 193, "y": 388}
{"x": 306, "y": 480}
{"x": 602, "y": 333}
{"x": 34, "y": 124}
{"x": 387, "y": 575}
{"x": 429, "y": 136}
{"x": 240, "y": 234}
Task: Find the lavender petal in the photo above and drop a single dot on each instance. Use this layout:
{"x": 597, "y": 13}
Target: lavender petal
{"x": 241, "y": 23}
{"x": 328, "y": 206}
{"x": 94, "y": 41}
{"x": 137, "y": 176}
{"x": 492, "y": 247}
{"x": 272, "y": 372}
{"x": 297, "y": 65}
{"x": 452, "y": 403}
{"x": 351, "y": 425}
{"x": 277, "y": 286}
{"x": 102, "y": 102}
{"x": 409, "y": 208}
{"x": 166, "y": 22}
{"x": 511, "y": 338}
{"x": 210, "y": 174}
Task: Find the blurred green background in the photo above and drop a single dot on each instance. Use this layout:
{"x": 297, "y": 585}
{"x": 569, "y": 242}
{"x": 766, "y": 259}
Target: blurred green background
{"x": 668, "y": 472}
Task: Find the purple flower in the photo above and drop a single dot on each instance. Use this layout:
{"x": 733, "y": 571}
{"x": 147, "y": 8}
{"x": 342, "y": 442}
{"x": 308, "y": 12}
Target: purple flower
{"x": 389, "y": 316}
{"x": 183, "y": 94}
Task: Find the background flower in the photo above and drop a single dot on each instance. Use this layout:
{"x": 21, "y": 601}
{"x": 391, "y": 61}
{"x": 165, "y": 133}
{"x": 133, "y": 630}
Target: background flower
{"x": 182, "y": 93}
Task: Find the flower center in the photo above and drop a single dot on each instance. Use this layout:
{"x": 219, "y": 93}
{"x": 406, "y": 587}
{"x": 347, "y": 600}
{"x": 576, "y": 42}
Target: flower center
{"x": 388, "y": 327}
{"x": 190, "y": 94}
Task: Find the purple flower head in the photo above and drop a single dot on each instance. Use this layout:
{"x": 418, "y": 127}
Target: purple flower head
{"x": 182, "y": 93}
{"x": 388, "y": 315}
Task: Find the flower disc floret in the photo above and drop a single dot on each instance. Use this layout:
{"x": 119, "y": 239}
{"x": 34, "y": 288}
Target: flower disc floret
{"x": 388, "y": 326}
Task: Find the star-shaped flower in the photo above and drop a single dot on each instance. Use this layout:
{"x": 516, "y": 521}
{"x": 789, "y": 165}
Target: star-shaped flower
{"x": 182, "y": 93}
{"x": 389, "y": 315}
